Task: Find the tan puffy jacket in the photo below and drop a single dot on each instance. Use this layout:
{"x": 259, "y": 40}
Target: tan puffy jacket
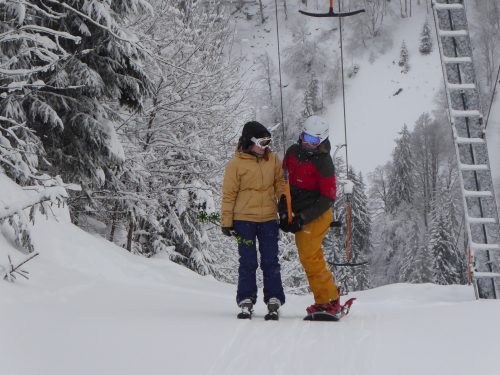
{"x": 251, "y": 190}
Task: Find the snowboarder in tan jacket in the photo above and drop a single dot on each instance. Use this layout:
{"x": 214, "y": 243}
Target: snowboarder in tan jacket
{"x": 253, "y": 183}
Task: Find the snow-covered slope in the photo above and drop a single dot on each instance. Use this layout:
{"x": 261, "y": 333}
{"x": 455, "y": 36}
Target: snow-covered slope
{"x": 91, "y": 308}
{"x": 381, "y": 99}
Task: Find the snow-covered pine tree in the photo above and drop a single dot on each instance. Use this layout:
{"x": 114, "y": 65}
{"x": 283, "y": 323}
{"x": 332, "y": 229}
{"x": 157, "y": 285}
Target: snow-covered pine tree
{"x": 423, "y": 264}
{"x": 425, "y": 46}
{"x": 312, "y": 98}
{"x": 404, "y": 58}
{"x": 401, "y": 180}
{"x": 399, "y": 237}
{"x": 446, "y": 264}
{"x": 360, "y": 232}
{"x": 410, "y": 272}
{"x": 427, "y": 140}
{"x": 394, "y": 244}
{"x": 385, "y": 258}
{"x": 70, "y": 67}
{"x": 453, "y": 211}
{"x": 401, "y": 234}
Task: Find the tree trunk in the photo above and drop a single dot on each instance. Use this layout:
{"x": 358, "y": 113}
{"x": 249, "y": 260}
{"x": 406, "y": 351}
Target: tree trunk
{"x": 261, "y": 12}
{"x": 268, "y": 74}
{"x": 113, "y": 224}
{"x": 152, "y": 116}
{"x": 130, "y": 233}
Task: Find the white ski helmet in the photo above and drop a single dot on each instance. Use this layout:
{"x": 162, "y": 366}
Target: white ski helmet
{"x": 317, "y": 127}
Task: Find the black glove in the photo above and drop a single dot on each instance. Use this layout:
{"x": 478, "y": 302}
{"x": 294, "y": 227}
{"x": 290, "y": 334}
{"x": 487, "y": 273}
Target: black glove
{"x": 295, "y": 225}
{"x": 227, "y": 231}
{"x": 283, "y": 214}
{"x": 284, "y": 226}
{"x": 282, "y": 208}
{"x": 336, "y": 224}
{"x": 292, "y": 227}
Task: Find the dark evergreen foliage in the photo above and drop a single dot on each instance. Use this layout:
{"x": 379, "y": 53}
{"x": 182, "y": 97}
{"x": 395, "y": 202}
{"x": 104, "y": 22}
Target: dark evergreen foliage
{"x": 404, "y": 58}
{"x": 73, "y": 64}
{"x": 401, "y": 181}
{"x": 425, "y": 46}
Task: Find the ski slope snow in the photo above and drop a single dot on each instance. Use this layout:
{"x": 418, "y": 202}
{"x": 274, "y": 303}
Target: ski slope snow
{"x": 92, "y": 308}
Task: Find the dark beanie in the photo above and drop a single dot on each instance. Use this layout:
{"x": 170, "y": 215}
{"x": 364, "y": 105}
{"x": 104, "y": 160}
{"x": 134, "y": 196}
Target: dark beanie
{"x": 252, "y": 129}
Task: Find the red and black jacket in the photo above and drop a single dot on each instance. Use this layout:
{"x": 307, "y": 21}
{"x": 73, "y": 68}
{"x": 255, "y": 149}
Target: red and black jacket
{"x": 311, "y": 174}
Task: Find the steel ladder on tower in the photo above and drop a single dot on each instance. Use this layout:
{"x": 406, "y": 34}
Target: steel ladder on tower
{"x": 466, "y": 118}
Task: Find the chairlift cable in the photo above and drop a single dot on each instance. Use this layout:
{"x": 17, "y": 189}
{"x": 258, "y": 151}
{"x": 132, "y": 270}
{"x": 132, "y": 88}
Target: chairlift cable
{"x": 285, "y": 171}
{"x": 279, "y": 72}
{"x": 343, "y": 90}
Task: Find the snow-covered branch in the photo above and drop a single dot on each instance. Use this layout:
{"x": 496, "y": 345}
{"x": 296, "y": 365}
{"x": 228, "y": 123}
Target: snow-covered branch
{"x": 40, "y": 194}
{"x": 13, "y": 270}
{"x": 46, "y": 30}
{"x": 129, "y": 41}
{"x": 50, "y": 13}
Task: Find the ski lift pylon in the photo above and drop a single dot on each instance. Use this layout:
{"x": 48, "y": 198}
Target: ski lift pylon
{"x": 331, "y": 13}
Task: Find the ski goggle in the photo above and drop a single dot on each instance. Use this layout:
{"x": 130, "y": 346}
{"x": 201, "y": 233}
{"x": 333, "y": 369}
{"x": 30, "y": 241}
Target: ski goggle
{"x": 262, "y": 142}
{"x": 312, "y": 139}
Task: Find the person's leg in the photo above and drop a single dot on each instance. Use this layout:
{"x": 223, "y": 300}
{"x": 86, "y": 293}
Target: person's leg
{"x": 247, "y": 282}
{"x": 309, "y": 245}
{"x": 267, "y": 235}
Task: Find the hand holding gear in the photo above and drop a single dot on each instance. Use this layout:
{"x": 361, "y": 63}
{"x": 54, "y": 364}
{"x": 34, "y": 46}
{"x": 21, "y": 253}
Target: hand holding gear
{"x": 296, "y": 224}
{"x": 293, "y": 227}
{"x": 227, "y": 231}
{"x": 282, "y": 207}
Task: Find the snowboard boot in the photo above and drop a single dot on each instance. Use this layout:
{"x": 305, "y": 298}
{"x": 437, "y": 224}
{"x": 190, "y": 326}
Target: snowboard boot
{"x": 333, "y": 307}
{"x": 246, "y": 307}
{"x": 273, "y": 306}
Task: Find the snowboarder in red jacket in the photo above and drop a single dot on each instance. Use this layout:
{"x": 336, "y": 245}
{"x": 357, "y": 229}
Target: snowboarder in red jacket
{"x": 313, "y": 190}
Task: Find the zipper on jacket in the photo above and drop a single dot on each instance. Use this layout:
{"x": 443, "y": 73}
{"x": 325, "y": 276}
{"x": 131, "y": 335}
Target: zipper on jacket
{"x": 262, "y": 184}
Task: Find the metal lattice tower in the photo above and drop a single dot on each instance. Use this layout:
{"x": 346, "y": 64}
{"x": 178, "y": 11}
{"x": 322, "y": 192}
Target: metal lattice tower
{"x": 466, "y": 118}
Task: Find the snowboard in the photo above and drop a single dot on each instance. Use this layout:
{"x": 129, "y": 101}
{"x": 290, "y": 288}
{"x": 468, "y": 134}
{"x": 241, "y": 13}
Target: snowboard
{"x": 327, "y": 317}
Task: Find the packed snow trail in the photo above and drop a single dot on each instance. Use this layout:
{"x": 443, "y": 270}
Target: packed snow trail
{"x": 92, "y": 308}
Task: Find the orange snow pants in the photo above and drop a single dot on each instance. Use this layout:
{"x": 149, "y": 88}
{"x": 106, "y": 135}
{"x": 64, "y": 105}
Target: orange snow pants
{"x": 308, "y": 241}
